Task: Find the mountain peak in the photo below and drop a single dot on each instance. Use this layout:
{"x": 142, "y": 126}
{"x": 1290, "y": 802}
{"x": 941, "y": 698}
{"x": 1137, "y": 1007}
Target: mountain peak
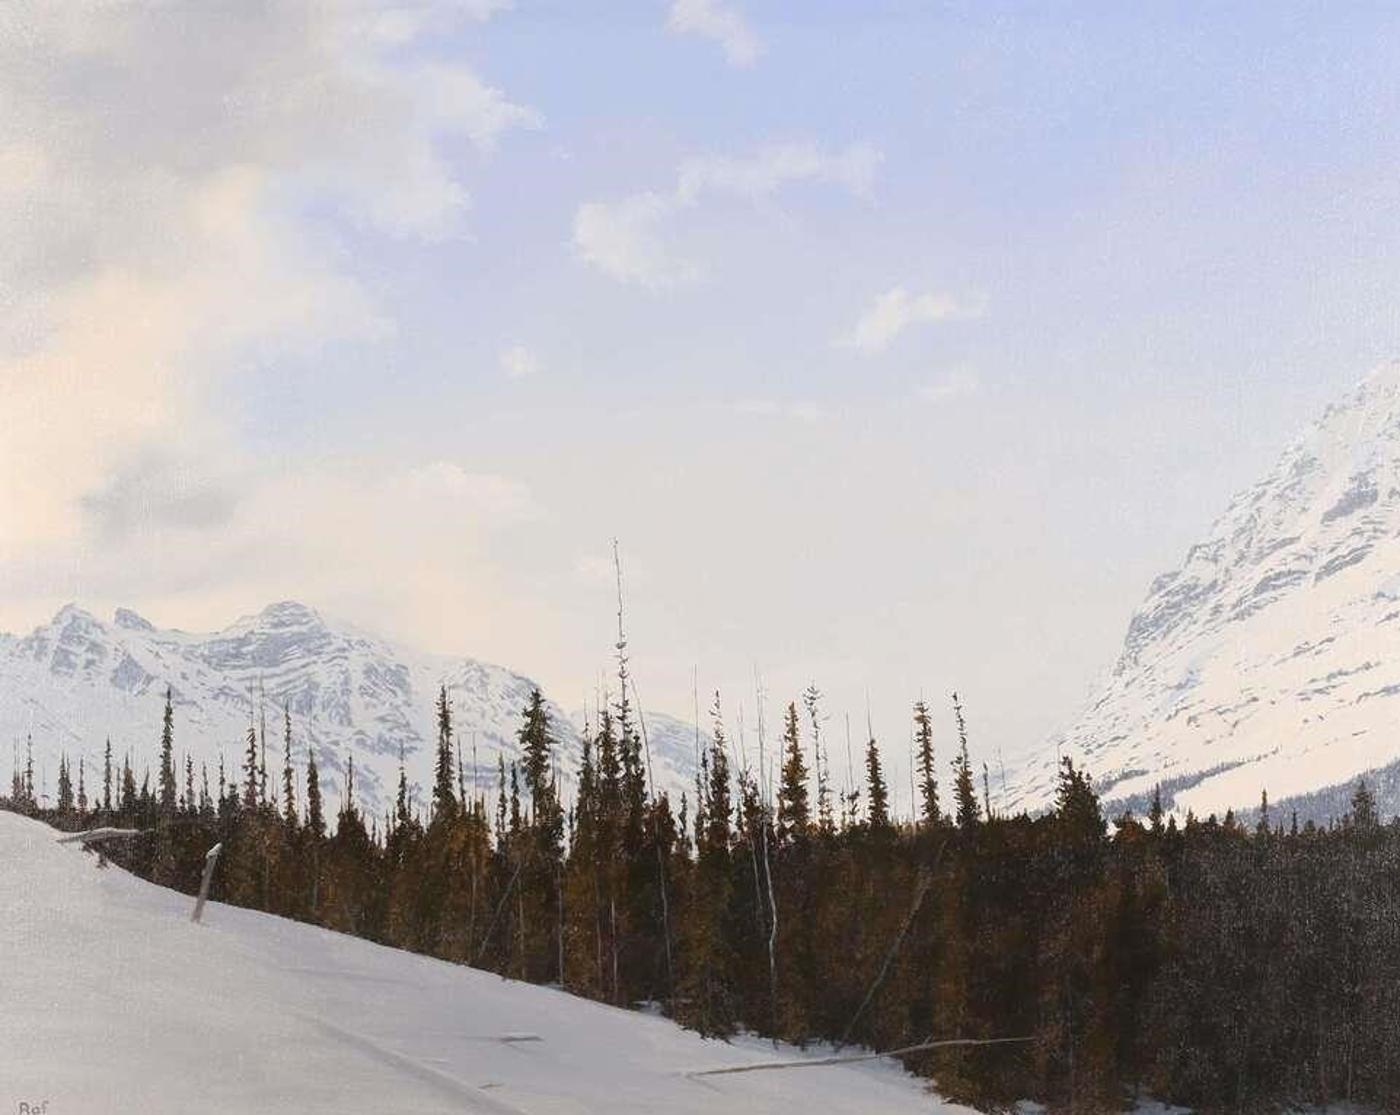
{"x": 289, "y": 613}
{"x": 71, "y": 614}
{"x": 1269, "y": 660}
{"x": 128, "y": 620}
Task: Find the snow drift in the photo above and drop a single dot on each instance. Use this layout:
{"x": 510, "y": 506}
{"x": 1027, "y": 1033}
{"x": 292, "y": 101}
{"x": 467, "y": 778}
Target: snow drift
{"x": 113, "y": 1001}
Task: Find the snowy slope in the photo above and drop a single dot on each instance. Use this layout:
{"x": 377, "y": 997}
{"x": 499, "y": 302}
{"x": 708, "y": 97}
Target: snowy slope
{"x": 115, "y": 1003}
{"x": 78, "y": 679}
{"x": 1270, "y": 660}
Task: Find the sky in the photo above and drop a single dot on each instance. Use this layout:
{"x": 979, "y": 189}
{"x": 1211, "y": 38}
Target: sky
{"x": 900, "y": 345}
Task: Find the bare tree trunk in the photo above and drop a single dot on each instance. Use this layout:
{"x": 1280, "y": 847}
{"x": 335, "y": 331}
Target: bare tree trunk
{"x": 559, "y": 894}
{"x": 765, "y": 787}
{"x": 612, "y": 902}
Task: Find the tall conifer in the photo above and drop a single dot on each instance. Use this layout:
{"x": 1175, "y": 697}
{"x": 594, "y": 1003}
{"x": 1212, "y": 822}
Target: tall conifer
{"x": 793, "y": 814}
{"x": 964, "y": 789}
{"x": 444, "y": 796}
{"x": 876, "y": 791}
{"x": 928, "y": 782}
{"x": 167, "y": 759}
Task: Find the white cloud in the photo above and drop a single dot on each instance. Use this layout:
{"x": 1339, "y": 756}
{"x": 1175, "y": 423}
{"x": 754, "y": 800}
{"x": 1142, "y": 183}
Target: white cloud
{"x": 724, "y": 23}
{"x": 518, "y": 362}
{"x": 762, "y": 174}
{"x": 897, "y": 309}
{"x": 167, "y": 250}
{"x": 957, "y": 383}
{"x": 627, "y": 240}
{"x": 421, "y": 536}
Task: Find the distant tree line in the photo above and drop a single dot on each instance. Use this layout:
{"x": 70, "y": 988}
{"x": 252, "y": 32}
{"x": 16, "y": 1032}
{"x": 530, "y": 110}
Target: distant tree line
{"x": 1206, "y": 964}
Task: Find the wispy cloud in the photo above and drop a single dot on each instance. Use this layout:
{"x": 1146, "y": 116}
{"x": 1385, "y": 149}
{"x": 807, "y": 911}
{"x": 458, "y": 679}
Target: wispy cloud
{"x": 897, "y": 309}
{"x": 723, "y": 23}
{"x": 627, "y": 239}
{"x": 803, "y": 410}
{"x": 956, "y": 383}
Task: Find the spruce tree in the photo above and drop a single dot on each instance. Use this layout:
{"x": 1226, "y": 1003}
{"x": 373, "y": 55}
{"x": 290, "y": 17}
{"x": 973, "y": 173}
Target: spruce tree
{"x": 315, "y": 819}
{"x": 537, "y": 751}
{"x": 500, "y": 802}
{"x": 107, "y": 777}
{"x": 167, "y": 760}
{"x": 876, "y": 791}
{"x": 289, "y": 794}
{"x": 1363, "y": 807}
{"x": 128, "y": 805}
{"x": 401, "y": 814}
{"x": 1077, "y": 807}
{"x": 262, "y": 748}
{"x": 793, "y": 815}
{"x": 82, "y": 790}
{"x": 65, "y": 787}
{"x": 826, "y": 819}
{"x": 964, "y": 790}
{"x": 928, "y": 782}
{"x": 516, "y": 818}
{"x": 444, "y": 796}
{"x": 347, "y": 807}
{"x": 250, "y": 769}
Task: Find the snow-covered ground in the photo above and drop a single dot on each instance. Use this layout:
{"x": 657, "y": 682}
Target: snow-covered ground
{"x": 111, "y": 1000}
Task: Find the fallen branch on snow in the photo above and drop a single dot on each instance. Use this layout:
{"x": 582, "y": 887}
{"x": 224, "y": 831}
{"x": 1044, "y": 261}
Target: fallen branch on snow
{"x": 100, "y": 834}
{"x": 850, "y": 1058}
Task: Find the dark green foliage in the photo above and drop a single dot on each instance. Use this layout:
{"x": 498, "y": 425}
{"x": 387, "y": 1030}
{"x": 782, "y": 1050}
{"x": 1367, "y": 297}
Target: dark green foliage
{"x": 167, "y": 760}
{"x": 877, "y": 794}
{"x": 964, "y": 790}
{"x": 444, "y": 796}
{"x": 794, "y": 817}
{"x": 1363, "y": 807}
{"x": 928, "y": 782}
{"x": 289, "y": 786}
{"x": 250, "y": 769}
{"x": 65, "y": 788}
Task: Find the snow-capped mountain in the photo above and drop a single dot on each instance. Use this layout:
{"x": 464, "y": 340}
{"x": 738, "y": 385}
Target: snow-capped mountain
{"x": 77, "y": 680}
{"x": 1270, "y": 661}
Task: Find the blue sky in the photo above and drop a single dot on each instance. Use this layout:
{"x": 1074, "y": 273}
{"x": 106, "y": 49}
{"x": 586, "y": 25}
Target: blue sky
{"x": 901, "y": 344}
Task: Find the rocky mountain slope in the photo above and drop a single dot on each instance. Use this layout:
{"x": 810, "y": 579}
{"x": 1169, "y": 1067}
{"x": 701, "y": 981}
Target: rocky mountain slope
{"x": 78, "y": 679}
{"x": 1270, "y": 660}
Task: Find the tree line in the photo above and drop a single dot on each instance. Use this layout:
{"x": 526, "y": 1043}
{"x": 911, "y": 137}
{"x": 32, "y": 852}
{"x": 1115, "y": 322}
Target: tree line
{"x": 1207, "y": 963}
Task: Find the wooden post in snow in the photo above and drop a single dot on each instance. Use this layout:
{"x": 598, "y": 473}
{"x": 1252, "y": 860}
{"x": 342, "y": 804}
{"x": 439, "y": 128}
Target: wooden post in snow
{"x": 211, "y": 857}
